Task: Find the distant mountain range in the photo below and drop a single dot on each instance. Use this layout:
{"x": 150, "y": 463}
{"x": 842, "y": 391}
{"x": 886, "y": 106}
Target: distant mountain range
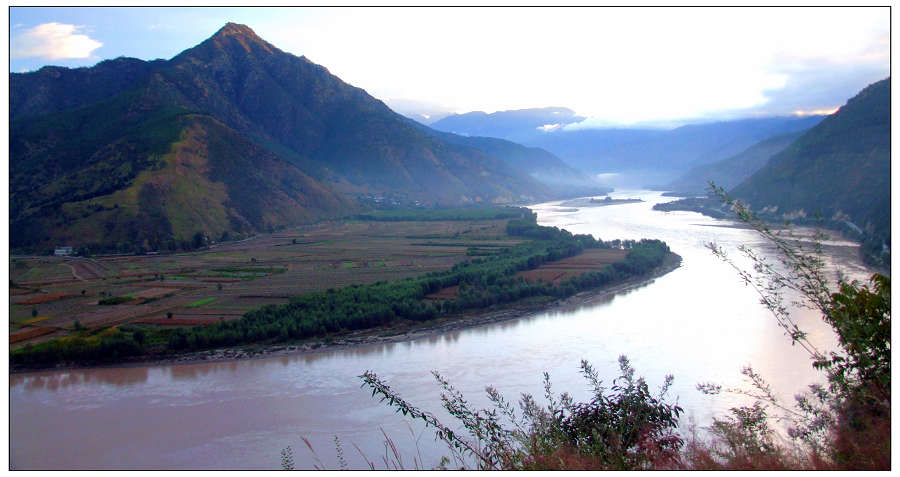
{"x": 838, "y": 173}
{"x": 231, "y": 137}
{"x": 840, "y": 170}
{"x": 730, "y": 172}
{"x": 656, "y": 156}
{"x": 515, "y": 125}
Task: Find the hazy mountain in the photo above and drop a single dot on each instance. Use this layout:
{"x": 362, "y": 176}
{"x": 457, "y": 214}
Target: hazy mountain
{"x": 656, "y": 156}
{"x": 840, "y": 169}
{"x": 730, "y": 172}
{"x": 86, "y": 139}
{"x": 514, "y": 125}
{"x": 540, "y": 164}
{"x": 664, "y": 151}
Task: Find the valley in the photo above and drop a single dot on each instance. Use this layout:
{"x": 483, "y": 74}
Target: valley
{"x": 235, "y": 277}
{"x": 225, "y": 254}
{"x": 325, "y": 282}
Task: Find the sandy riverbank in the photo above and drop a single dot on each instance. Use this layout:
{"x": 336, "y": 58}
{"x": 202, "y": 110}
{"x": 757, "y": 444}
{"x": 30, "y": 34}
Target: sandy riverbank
{"x": 395, "y": 333}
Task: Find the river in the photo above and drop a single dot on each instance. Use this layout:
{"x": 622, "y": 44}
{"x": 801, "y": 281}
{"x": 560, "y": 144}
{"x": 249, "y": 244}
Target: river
{"x": 699, "y": 323}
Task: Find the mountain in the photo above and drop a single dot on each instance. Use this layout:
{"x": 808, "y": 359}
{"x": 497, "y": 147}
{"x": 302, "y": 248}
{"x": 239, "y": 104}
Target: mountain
{"x": 514, "y": 125}
{"x": 840, "y": 169}
{"x": 149, "y": 182}
{"x": 85, "y": 144}
{"x": 538, "y": 163}
{"x": 730, "y": 172}
{"x": 654, "y": 156}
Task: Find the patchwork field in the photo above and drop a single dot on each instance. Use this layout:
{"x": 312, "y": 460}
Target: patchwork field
{"x": 49, "y": 294}
{"x": 590, "y": 260}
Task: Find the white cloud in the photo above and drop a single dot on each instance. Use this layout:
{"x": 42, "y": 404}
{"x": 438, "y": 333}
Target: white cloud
{"x": 622, "y": 66}
{"x": 53, "y": 41}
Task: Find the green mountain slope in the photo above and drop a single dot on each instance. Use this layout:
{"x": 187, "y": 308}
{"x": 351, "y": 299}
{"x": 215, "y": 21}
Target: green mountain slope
{"x": 96, "y": 153}
{"x": 839, "y": 169}
{"x": 365, "y": 147}
{"x": 155, "y": 186}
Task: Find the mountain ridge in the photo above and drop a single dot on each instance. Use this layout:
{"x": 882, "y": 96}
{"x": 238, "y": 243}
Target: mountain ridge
{"x": 839, "y": 170}
{"x": 330, "y": 137}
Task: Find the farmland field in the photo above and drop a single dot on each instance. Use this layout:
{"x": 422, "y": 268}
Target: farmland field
{"x": 591, "y": 260}
{"x": 229, "y": 279}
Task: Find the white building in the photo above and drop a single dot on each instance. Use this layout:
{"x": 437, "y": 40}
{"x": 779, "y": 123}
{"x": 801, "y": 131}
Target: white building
{"x": 62, "y": 251}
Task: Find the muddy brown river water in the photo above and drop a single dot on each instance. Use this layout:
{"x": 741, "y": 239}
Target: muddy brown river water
{"x": 699, "y": 323}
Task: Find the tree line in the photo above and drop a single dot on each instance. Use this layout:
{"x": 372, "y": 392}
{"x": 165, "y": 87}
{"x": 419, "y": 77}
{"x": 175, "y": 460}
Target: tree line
{"x": 483, "y": 282}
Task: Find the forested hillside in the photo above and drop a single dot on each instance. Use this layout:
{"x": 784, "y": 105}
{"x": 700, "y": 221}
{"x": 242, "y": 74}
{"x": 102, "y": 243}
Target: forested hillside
{"x": 86, "y": 142}
{"x": 839, "y": 170}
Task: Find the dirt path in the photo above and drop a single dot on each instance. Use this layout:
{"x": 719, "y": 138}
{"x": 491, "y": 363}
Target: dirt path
{"x": 86, "y": 269}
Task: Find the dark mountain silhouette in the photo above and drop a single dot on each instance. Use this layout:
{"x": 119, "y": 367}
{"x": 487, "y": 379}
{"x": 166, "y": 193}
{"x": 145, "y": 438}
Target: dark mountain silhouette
{"x": 840, "y": 170}
{"x": 80, "y": 137}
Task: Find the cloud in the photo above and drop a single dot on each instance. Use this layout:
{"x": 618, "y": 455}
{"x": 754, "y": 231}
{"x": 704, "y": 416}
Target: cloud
{"x": 53, "y": 41}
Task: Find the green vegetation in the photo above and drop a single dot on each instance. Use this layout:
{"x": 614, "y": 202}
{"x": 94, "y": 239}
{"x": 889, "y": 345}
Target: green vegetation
{"x": 154, "y": 153}
{"x": 836, "y": 175}
{"x": 116, "y": 300}
{"x": 250, "y": 270}
{"x": 838, "y": 171}
{"x": 483, "y": 282}
{"x": 202, "y": 302}
{"x": 625, "y": 427}
{"x": 843, "y": 425}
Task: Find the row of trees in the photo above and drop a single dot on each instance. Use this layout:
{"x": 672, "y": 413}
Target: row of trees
{"x": 483, "y": 282}
{"x": 841, "y": 423}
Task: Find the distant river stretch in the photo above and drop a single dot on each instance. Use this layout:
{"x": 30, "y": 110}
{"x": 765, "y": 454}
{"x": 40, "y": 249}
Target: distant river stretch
{"x": 699, "y": 323}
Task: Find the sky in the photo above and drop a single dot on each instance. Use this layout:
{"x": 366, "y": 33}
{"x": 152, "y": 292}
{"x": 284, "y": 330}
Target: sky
{"x": 616, "y": 66}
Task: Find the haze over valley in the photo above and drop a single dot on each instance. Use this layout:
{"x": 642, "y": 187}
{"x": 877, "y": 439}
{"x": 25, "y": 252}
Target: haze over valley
{"x": 259, "y": 247}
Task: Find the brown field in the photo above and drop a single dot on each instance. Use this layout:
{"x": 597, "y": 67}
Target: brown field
{"x": 449, "y": 293}
{"x": 153, "y": 292}
{"x": 325, "y": 256}
{"x": 29, "y": 333}
{"x": 186, "y": 320}
{"x": 591, "y": 260}
{"x": 41, "y": 298}
{"x": 86, "y": 269}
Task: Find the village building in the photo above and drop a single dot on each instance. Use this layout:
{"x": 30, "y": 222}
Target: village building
{"x": 63, "y": 251}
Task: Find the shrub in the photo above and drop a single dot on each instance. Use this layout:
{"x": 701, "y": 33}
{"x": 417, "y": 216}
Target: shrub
{"x": 625, "y": 427}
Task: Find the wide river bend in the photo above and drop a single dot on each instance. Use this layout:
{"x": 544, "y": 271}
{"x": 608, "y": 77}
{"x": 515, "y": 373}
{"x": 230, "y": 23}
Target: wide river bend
{"x": 699, "y": 323}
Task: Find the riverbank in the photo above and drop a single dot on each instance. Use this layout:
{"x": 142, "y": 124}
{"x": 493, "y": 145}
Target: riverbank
{"x": 395, "y": 333}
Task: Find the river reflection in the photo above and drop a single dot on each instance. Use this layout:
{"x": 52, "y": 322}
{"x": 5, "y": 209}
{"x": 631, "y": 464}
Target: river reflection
{"x": 54, "y": 380}
{"x": 699, "y": 323}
